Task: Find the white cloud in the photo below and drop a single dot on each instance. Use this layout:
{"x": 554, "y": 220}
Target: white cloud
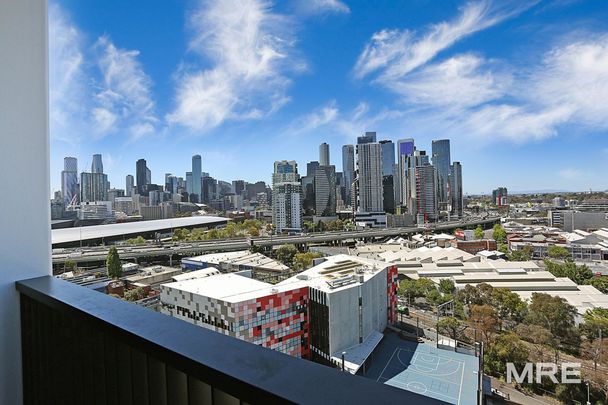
{"x": 318, "y": 118}
{"x": 458, "y": 82}
{"x": 124, "y": 98}
{"x": 100, "y": 90}
{"x": 250, "y": 49}
{"x": 322, "y": 6}
{"x": 397, "y": 52}
{"x": 575, "y": 76}
{"x": 67, "y": 82}
{"x": 468, "y": 95}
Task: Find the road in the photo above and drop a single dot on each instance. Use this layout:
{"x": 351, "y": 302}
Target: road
{"x": 99, "y": 253}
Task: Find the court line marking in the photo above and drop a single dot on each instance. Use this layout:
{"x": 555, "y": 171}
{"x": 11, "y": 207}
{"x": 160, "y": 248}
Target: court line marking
{"x": 389, "y": 361}
{"x": 399, "y": 384}
{"x": 460, "y": 390}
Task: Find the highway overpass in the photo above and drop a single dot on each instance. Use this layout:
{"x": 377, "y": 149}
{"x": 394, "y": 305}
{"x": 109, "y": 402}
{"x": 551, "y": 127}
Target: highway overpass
{"x": 170, "y": 249}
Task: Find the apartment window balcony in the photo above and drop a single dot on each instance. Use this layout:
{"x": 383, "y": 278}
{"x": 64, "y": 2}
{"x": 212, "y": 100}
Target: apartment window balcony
{"x": 80, "y": 346}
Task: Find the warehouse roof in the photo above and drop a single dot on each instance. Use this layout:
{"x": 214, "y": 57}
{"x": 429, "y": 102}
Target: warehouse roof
{"x": 72, "y": 235}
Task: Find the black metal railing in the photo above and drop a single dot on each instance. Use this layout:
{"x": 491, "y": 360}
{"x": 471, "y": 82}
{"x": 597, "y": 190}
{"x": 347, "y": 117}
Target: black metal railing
{"x": 83, "y": 347}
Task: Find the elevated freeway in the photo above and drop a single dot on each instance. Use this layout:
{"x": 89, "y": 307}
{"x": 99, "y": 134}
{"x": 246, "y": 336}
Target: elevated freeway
{"x": 170, "y": 249}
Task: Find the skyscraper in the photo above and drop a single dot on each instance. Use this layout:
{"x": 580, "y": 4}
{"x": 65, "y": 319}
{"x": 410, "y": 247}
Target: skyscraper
{"x": 196, "y": 176}
{"x": 286, "y": 196}
{"x": 405, "y": 148}
{"x": 456, "y": 189}
{"x": 97, "y": 165}
{"x": 369, "y": 174}
{"x": 425, "y": 207}
{"x": 408, "y": 185}
{"x": 69, "y": 180}
{"x": 368, "y": 137}
{"x": 348, "y": 168}
{"x": 441, "y": 161}
{"x": 93, "y": 187}
{"x": 325, "y": 191}
{"x": 388, "y": 157}
{"x": 141, "y": 175}
{"x": 324, "y": 154}
{"x": 129, "y": 185}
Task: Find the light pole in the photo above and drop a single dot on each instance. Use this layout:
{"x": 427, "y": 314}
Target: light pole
{"x": 343, "y": 354}
{"x": 588, "y": 401}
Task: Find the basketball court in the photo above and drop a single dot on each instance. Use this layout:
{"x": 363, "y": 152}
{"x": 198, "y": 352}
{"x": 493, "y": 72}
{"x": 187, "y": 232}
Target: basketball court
{"x": 442, "y": 374}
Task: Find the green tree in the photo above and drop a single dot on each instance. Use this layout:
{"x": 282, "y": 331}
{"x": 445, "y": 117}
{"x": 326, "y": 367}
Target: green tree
{"x": 137, "y": 241}
{"x": 507, "y": 347}
{"x": 452, "y": 327}
{"x": 302, "y": 261}
{"x": 558, "y": 252}
{"x": 69, "y": 265}
{"x": 113, "y": 265}
{"x": 540, "y": 337}
{"x": 499, "y": 234}
{"x": 552, "y": 313}
{"x": 135, "y": 294}
{"x": 416, "y": 288}
{"x": 521, "y": 255}
{"x": 285, "y": 254}
{"x": 478, "y": 232}
{"x": 508, "y": 305}
{"x": 594, "y": 320}
{"x": 446, "y": 286}
{"x": 599, "y": 282}
{"x": 484, "y": 319}
{"x": 578, "y": 274}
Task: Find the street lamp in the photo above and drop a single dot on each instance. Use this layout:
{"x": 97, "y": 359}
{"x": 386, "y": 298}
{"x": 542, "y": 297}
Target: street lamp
{"x": 587, "y": 384}
{"x": 343, "y": 354}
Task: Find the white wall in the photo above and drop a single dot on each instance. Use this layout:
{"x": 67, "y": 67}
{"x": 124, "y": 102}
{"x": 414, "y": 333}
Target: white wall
{"x": 24, "y": 160}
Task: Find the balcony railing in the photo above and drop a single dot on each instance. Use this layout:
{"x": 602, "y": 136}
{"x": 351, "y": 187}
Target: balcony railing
{"x": 83, "y": 347}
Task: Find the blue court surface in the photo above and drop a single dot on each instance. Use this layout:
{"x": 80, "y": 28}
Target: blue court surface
{"x": 442, "y": 374}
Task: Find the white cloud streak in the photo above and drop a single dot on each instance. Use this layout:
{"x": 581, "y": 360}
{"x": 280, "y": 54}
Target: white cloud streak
{"x": 322, "y": 6}
{"x": 250, "y": 49}
{"x": 397, "y": 52}
{"x": 66, "y": 77}
{"x": 99, "y": 89}
{"x": 468, "y": 95}
{"x": 124, "y": 101}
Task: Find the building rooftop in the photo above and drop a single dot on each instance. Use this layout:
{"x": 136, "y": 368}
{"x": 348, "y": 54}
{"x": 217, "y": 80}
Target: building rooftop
{"x": 229, "y": 287}
{"x": 241, "y": 258}
{"x": 72, "y": 235}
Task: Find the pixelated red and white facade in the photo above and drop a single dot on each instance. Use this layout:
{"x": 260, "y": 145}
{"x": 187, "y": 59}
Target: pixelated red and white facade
{"x": 392, "y": 286}
{"x": 278, "y": 321}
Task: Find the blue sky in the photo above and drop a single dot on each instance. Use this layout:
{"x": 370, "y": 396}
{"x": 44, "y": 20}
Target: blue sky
{"x": 520, "y": 88}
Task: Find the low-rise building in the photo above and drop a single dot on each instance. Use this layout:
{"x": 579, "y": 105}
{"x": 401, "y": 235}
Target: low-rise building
{"x": 342, "y": 304}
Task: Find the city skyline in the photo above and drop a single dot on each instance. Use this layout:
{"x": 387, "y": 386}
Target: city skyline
{"x": 334, "y": 92}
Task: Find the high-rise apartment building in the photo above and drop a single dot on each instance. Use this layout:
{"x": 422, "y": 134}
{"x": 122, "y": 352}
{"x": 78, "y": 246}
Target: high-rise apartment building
{"x": 69, "y": 180}
{"x": 425, "y": 203}
{"x": 442, "y": 164}
{"x": 325, "y": 191}
{"x": 405, "y": 148}
{"x": 196, "y": 176}
{"x": 499, "y": 196}
{"x": 93, "y": 187}
{"x": 286, "y": 196}
{"x": 456, "y": 189}
{"x": 324, "y": 154}
{"x": 129, "y": 185}
{"x": 369, "y": 174}
{"x": 409, "y": 164}
{"x": 348, "y": 170}
{"x": 97, "y": 164}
